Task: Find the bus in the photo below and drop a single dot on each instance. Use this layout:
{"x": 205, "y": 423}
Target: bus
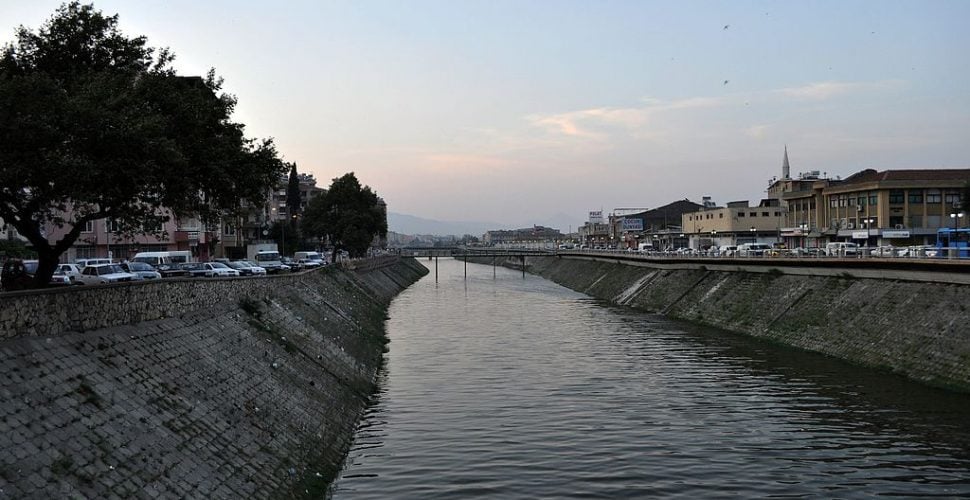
{"x": 949, "y": 240}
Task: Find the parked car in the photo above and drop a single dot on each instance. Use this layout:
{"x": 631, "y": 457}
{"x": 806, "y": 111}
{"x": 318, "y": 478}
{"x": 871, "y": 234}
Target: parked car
{"x": 884, "y": 251}
{"x": 209, "y": 269}
{"x": 308, "y": 264}
{"x": 247, "y": 268}
{"x": 71, "y": 270}
{"x": 60, "y": 278}
{"x": 94, "y": 274}
{"x": 144, "y": 271}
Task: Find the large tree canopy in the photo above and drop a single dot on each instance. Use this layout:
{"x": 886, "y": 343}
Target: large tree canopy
{"x": 348, "y": 214}
{"x": 96, "y": 125}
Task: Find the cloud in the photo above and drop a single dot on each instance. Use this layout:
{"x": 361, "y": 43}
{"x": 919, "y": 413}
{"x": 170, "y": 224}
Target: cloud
{"x": 820, "y": 91}
{"x": 757, "y": 131}
{"x": 602, "y": 123}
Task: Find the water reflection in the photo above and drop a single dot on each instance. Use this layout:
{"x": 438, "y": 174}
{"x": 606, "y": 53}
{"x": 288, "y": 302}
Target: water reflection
{"x": 512, "y": 387}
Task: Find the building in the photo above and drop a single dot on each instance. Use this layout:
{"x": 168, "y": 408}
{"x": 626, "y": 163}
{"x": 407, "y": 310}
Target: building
{"x": 661, "y": 227}
{"x": 536, "y": 236}
{"x": 254, "y": 226}
{"x": 891, "y": 207}
{"x": 734, "y": 224}
{"x": 871, "y": 208}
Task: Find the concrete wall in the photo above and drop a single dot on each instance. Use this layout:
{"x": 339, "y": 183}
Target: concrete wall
{"x": 908, "y": 323}
{"x": 201, "y": 389}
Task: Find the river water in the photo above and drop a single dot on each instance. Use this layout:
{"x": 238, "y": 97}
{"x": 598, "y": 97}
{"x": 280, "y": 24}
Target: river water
{"x": 512, "y": 387}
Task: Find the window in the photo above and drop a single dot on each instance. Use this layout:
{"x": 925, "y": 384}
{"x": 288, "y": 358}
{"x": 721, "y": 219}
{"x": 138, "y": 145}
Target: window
{"x": 952, "y": 198}
{"x": 873, "y": 198}
{"x": 777, "y": 214}
{"x": 229, "y": 230}
{"x": 720, "y": 215}
{"x": 933, "y": 196}
{"x": 765, "y": 214}
{"x": 112, "y": 226}
{"x": 88, "y": 227}
{"x": 897, "y": 196}
{"x": 842, "y": 200}
{"x": 916, "y": 196}
{"x": 833, "y": 202}
{"x": 753, "y": 214}
{"x": 740, "y": 214}
{"x": 861, "y": 201}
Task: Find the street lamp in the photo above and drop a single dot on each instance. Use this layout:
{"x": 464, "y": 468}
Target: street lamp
{"x": 956, "y": 216}
{"x": 868, "y": 225}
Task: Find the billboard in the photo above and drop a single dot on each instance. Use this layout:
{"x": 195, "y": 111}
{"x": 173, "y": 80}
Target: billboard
{"x": 632, "y": 224}
{"x": 596, "y": 217}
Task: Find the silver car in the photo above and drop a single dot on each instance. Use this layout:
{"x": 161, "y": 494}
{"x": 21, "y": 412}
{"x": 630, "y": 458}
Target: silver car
{"x": 104, "y": 273}
{"x": 143, "y": 270}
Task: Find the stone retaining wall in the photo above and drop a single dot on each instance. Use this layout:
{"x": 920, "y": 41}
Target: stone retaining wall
{"x": 245, "y": 388}
{"x": 909, "y": 325}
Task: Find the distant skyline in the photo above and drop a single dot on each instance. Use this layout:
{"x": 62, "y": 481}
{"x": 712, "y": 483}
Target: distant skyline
{"x": 514, "y": 111}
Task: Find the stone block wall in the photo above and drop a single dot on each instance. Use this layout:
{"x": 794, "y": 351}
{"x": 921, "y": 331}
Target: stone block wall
{"x": 914, "y": 326}
{"x": 195, "y": 389}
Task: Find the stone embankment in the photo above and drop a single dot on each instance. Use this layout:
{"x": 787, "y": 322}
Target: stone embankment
{"x": 243, "y": 388}
{"x": 914, "y": 324}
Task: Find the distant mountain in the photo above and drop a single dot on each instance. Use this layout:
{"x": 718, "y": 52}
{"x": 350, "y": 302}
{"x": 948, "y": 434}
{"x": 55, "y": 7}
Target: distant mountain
{"x": 409, "y": 224}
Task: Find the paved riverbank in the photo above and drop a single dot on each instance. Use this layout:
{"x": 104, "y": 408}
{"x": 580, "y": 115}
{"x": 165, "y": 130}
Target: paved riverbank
{"x": 251, "y": 390}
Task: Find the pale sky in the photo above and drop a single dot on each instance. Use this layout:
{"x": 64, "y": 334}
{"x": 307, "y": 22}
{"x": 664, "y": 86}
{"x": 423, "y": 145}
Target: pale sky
{"x": 511, "y": 111}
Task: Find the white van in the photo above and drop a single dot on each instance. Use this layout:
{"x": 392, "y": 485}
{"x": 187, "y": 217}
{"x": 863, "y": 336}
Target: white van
{"x": 841, "y": 248}
{"x": 82, "y": 263}
{"x": 314, "y": 256}
{"x": 156, "y": 259}
{"x": 753, "y": 249}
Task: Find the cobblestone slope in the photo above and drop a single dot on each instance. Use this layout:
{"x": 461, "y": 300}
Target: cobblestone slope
{"x": 253, "y": 393}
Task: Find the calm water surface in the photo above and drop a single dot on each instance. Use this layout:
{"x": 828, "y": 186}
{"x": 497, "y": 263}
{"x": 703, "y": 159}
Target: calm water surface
{"x": 519, "y": 388}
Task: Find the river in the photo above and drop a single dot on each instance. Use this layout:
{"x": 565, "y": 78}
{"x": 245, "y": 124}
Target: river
{"x": 512, "y": 387}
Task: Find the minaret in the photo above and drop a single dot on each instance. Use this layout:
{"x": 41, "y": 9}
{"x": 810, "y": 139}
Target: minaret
{"x": 785, "y": 167}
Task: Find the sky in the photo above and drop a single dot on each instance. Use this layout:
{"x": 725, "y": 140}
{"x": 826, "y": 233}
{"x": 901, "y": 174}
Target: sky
{"x": 514, "y": 111}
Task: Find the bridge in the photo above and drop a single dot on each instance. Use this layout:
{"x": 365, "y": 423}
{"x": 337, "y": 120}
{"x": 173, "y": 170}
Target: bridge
{"x": 463, "y": 253}
{"x": 454, "y": 251}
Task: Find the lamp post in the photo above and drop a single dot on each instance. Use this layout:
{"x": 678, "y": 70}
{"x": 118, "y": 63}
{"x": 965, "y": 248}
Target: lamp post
{"x": 956, "y": 216}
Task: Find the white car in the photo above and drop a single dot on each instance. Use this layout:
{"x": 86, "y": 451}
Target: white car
{"x": 104, "y": 273}
{"x": 72, "y": 271}
{"x": 215, "y": 269}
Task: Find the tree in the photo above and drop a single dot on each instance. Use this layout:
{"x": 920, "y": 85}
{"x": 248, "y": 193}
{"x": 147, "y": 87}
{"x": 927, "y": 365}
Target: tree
{"x": 96, "y": 125}
{"x": 293, "y": 194}
{"x": 349, "y": 215}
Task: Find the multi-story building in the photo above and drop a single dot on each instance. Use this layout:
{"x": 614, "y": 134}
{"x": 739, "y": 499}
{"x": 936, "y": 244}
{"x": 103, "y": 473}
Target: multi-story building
{"x": 661, "y": 227}
{"x": 530, "y": 236}
{"x": 734, "y": 224}
{"x": 871, "y": 208}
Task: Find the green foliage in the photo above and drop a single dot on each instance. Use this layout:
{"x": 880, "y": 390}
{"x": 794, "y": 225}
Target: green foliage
{"x": 96, "y": 125}
{"x": 287, "y": 236}
{"x": 348, "y": 214}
